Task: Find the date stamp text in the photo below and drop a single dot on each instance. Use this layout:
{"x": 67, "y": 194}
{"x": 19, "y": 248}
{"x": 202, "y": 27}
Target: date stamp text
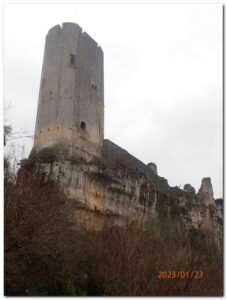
{"x": 180, "y": 274}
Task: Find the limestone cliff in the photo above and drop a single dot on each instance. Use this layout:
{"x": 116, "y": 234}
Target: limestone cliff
{"x": 120, "y": 186}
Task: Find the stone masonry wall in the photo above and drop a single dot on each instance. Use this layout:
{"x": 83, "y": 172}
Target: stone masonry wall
{"x": 71, "y": 100}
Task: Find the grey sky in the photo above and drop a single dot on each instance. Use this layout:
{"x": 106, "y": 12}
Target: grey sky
{"x": 163, "y": 79}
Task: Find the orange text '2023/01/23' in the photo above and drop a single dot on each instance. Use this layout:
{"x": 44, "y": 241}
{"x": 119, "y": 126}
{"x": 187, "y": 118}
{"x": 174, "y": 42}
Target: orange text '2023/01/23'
{"x": 180, "y": 274}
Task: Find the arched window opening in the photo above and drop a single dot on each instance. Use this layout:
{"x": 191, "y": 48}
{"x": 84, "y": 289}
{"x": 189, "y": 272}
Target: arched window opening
{"x": 83, "y": 125}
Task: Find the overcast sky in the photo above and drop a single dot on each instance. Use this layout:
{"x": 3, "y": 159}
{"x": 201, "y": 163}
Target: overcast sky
{"x": 163, "y": 79}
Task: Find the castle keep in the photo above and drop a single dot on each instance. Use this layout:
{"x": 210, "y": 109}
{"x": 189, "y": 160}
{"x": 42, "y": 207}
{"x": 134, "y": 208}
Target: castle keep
{"x": 97, "y": 175}
{"x": 71, "y": 99}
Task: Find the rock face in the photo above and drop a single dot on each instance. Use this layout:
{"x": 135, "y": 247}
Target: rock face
{"x": 188, "y": 188}
{"x": 207, "y": 190}
{"x": 153, "y": 167}
{"x": 219, "y": 206}
{"x": 115, "y": 184}
{"x": 119, "y": 186}
{"x": 97, "y": 174}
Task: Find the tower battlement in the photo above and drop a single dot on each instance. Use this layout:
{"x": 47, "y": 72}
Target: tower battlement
{"x": 71, "y": 99}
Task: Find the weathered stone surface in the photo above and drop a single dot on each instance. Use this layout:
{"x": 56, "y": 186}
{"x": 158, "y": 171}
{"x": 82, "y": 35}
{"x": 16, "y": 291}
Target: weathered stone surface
{"x": 109, "y": 190}
{"x": 114, "y": 154}
{"x": 219, "y": 206}
{"x": 188, "y": 188}
{"x": 71, "y": 98}
{"x": 112, "y": 189}
{"x": 153, "y": 167}
{"x": 207, "y": 190}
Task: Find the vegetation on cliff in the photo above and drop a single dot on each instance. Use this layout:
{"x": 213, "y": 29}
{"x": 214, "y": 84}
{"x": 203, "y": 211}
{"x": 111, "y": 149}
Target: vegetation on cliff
{"x": 45, "y": 254}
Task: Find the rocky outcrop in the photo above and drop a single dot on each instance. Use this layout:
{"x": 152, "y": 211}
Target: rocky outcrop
{"x": 120, "y": 186}
{"x": 106, "y": 189}
{"x": 188, "y": 188}
{"x": 219, "y": 207}
{"x": 206, "y": 190}
{"x": 153, "y": 167}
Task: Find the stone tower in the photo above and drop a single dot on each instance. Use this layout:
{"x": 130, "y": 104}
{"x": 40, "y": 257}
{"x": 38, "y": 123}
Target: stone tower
{"x": 70, "y": 113}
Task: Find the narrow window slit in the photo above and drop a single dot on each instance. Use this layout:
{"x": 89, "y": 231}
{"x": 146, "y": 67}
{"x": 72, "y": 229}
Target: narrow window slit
{"x": 72, "y": 60}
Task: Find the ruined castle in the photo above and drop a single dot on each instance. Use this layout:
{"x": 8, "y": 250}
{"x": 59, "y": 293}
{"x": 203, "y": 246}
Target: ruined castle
{"x": 98, "y": 176}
